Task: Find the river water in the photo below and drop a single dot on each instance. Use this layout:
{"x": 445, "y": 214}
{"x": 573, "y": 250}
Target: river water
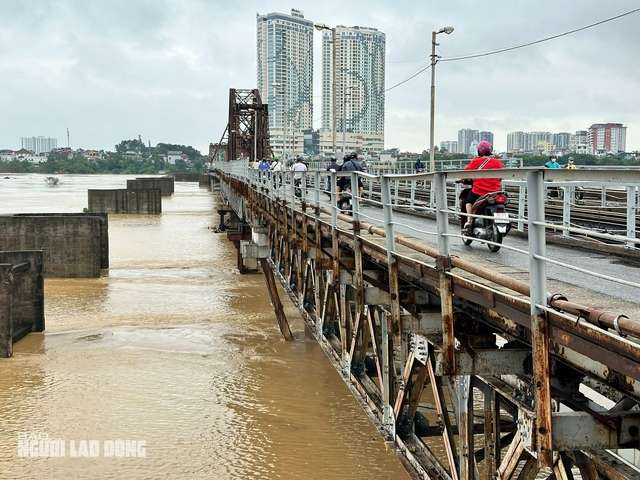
{"x": 170, "y": 365}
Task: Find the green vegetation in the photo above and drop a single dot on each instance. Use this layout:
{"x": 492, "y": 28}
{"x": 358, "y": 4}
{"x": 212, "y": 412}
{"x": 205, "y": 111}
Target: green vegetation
{"x": 144, "y": 161}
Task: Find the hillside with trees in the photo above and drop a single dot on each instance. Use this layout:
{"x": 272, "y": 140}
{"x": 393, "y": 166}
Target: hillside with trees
{"x": 130, "y": 157}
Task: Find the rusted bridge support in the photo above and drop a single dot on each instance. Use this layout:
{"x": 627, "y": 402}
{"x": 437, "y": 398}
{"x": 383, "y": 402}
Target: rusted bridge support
{"x": 541, "y": 436}
{"x": 278, "y": 309}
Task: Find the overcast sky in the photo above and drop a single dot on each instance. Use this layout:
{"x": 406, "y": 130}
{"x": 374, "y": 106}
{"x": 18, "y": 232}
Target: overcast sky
{"x": 111, "y": 70}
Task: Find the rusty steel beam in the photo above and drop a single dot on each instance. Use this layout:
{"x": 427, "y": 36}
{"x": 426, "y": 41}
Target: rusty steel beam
{"x": 248, "y": 125}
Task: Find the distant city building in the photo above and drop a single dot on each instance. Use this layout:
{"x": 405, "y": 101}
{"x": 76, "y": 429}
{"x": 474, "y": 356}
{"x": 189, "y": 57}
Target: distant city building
{"x": 578, "y": 142}
{"x": 561, "y": 141}
{"x": 488, "y": 136}
{"x": 359, "y": 88}
{"x": 530, "y": 142}
{"x": 22, "y": 155}
{"x": 39, "y": 144}
{"x": 171, "y": 156}
{"x": 285, "y": 58}
{"x": 603, "y": 138}
{"x": 450, "y": 146}
{"x": 311, "y": 142}
{"x": 466, "y": 137}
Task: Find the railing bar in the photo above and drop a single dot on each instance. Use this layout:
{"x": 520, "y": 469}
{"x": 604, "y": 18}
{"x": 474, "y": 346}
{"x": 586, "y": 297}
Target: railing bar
{"x": 587, "y": 232}
{"x": 589, "y": 272}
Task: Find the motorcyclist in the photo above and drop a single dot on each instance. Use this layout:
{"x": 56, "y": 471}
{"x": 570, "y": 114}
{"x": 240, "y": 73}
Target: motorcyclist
{"x": 418, "y": 167}
{"x": 298, "y": 168}
{"x": 482, "y": 186}
{"x": 350, "y": 164}
{"x": 264, "y": 166}
{"x": 552, "y": 163}
{"x": 332, "y": 167}
{"x": 570, "y": 165}
{"x": 333, "y": 164}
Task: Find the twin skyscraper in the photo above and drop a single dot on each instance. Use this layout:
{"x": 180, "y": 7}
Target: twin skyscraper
{"x": 353, "y": 88}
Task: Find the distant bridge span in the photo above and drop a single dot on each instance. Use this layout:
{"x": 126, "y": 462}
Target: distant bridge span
{"x": 471, "y": 372}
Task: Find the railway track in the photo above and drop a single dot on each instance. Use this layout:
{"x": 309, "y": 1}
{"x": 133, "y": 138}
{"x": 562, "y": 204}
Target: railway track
{"x": 587, "y": 213}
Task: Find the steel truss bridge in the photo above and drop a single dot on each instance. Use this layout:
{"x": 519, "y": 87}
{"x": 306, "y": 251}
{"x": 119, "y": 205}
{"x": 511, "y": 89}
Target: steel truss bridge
{"x": 468, "y": 370}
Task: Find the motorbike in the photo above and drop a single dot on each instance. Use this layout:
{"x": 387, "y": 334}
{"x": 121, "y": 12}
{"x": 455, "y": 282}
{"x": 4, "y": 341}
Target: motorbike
{"x": 297, "y": 184}
{"x": 345, "y": 204}
{"x": 494, "y": 228}
{"x": 578, "y": 193}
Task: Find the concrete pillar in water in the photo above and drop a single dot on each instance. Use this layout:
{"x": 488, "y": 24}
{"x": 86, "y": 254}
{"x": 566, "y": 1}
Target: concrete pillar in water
{"x": 6, "y": 308}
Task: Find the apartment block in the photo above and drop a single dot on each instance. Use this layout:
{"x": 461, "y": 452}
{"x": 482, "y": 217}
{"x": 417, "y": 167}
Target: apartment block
{"x": 603, "y": 138}
{"x": 39, "y": 145}
{"x": 357, "y": 72}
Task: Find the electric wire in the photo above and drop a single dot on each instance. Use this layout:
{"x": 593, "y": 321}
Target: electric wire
{"x": 515, "y": 47}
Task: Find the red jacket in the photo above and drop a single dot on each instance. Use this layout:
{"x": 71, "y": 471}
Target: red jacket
{"x": 482, "y": 186}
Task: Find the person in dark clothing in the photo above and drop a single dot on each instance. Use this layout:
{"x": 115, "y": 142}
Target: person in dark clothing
{"x": 351, "y": 164}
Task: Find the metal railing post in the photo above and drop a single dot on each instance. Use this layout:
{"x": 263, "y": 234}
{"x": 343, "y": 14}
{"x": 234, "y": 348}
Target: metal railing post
{"x": 334, "y": 200}
{"x": 412, "y": 202}
{"x": 442, "y": 217}
{"x": 355, "y": 196}
{"x": 566, "y": 209}
{"x": 631, "y": 213}
{"x": 387, "y": 209}
{"x": 522, "y": 201}
{"x": 316, "y": 195}
{"x": 432, "y": 200}
{"x": 539, "y": 323}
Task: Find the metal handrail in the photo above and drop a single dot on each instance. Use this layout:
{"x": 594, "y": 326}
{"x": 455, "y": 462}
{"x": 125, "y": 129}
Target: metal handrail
{"x": 279, "y": 183}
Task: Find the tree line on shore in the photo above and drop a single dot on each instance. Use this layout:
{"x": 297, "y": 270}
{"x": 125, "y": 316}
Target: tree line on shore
{"x": 130, "y": 157}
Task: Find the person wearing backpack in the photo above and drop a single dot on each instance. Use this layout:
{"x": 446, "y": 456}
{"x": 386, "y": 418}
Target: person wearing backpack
{"x": 350, "y": 164}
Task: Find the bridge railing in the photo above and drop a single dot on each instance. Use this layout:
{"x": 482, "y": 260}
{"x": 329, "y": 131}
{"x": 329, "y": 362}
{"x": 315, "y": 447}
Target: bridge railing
{"x": 612, "y": 192}
{"x": 319, "y": 189}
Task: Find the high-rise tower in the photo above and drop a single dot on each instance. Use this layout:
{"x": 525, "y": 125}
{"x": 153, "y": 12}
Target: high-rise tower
{"x": 285, "y": 73}
{"x": 359, "y": 84}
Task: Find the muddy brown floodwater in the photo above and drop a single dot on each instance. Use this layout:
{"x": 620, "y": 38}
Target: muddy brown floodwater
{"x": 170, "y": 365}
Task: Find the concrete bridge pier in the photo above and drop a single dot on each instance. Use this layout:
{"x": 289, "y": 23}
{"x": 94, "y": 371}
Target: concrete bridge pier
{"x": 21, "y": 297}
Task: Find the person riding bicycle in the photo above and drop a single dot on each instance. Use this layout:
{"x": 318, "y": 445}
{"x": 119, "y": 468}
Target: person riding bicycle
{"x": 350, "y": 164}
{"x": 482, "y": 186}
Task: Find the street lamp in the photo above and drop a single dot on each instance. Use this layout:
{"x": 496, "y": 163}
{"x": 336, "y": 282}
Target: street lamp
{"x": 344, "y": 120}
{"x": 447, "y": 30}
{"x": 284, "y": 120}
{"x": 320, "y": 27}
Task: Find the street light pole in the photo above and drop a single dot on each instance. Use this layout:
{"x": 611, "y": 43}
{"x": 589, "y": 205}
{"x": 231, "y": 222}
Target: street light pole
{"x": 284, "y": 121}
{"x": 333, "y": 93}
{"x": 344, "y": 118}
{"x": 447, "y": 30}
{"x": 320, "y": 27}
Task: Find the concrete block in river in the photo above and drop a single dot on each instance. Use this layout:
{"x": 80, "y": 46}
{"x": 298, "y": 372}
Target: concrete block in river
{"x": 164, "y": 184}
{"x": 142, "y": 201}
{"x": 21, "y": 297}
{"x": 73, "y": 245}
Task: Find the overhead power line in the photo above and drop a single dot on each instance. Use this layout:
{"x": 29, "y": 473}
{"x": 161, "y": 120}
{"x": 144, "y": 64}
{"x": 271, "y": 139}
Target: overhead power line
{"x": 507, "y": 49}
